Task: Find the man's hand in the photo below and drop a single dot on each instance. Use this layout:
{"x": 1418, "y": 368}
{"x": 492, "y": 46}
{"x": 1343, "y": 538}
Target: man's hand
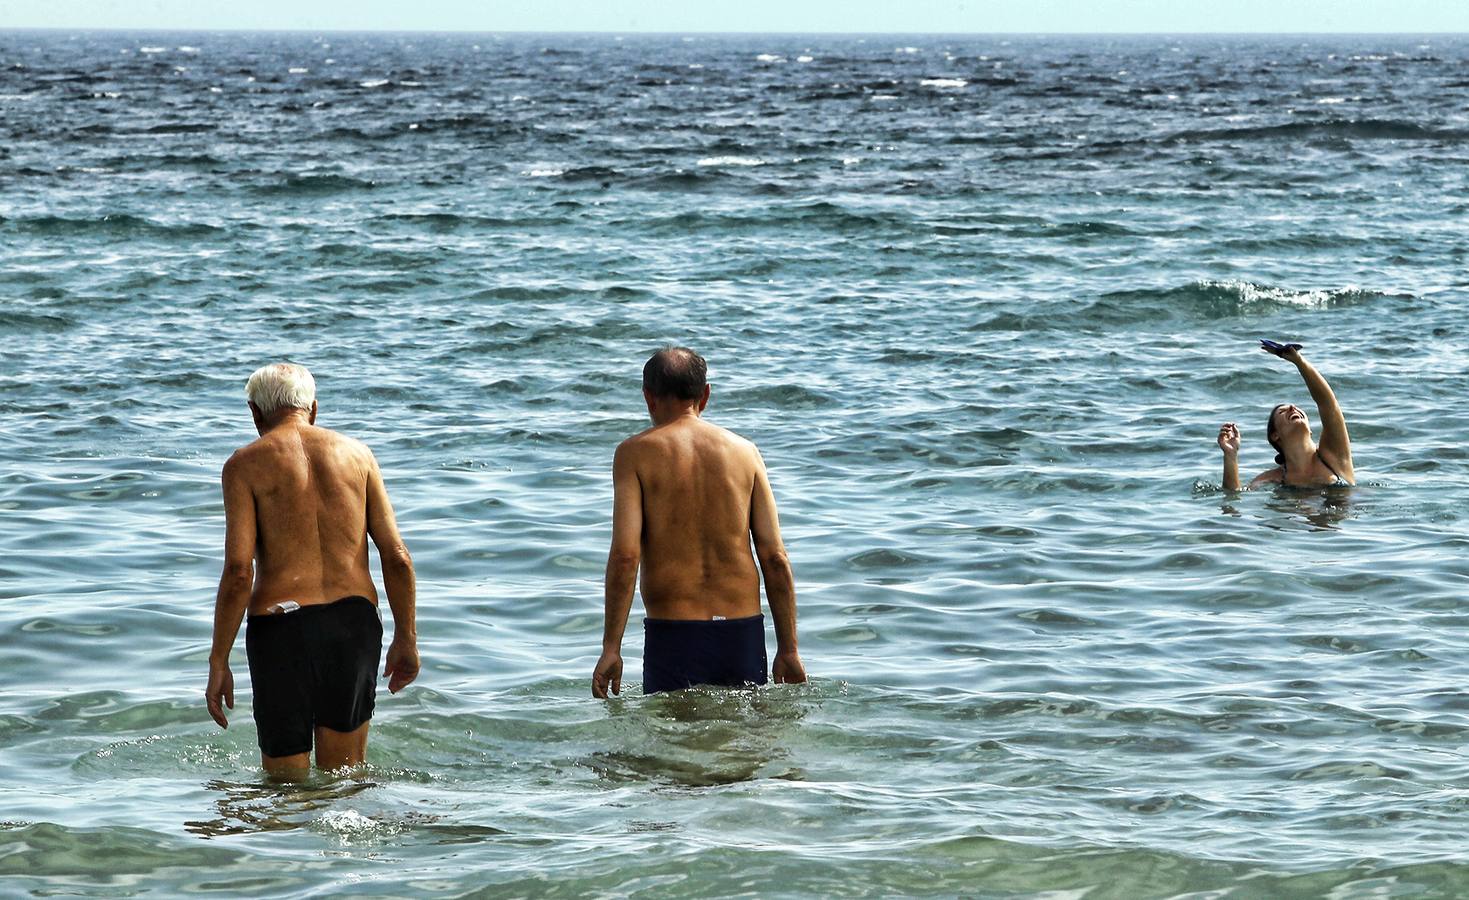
{"x": 220, "y": 692}
{"x": 607, "y": 674}
{"x": 402, "y": 664}
{"x": 1229, "y": 438}
{"x": 788, "y": 669}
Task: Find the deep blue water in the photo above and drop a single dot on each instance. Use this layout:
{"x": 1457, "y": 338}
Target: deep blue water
{"x": 983, "y": 303}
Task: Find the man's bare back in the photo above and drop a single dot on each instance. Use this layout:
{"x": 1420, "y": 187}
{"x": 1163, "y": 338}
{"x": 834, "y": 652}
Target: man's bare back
{"x": 698, "y": 483}
{"x": 689, "y": 498}
{"x": 312, "y": 485}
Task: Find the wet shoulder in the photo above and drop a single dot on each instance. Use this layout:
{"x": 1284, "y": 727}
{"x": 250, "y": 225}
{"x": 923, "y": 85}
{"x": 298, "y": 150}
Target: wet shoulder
{"x": 1269, "y": 476}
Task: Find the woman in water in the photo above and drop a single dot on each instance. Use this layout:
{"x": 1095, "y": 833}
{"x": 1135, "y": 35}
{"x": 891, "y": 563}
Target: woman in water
{"x": 1300, "y": 461}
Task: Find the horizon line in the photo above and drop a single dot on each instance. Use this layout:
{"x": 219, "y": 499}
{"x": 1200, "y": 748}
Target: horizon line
{"x": 696, "y": 32}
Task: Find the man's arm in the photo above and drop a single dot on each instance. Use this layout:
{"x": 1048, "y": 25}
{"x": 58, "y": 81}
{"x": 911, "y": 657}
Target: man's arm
{"x": 622, "y": 570}
{"x": 780, "y": 583}
{"x": 402, "y": 662}
{"x": 235, "y": 584}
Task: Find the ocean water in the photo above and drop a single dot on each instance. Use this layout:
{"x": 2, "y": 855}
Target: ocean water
{"x": 982, "y": 301}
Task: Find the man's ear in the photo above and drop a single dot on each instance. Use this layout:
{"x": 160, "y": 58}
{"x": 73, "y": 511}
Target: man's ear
{"x": 258, "y": 417}
{"x": 704, "y": 400}
{"x": 311, "y": 418}
{"x": 648, "y": 399}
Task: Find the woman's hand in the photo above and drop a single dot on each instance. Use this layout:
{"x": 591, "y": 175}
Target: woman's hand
{"x": 1288, "y": 352}
{"x": 1229, "y": 438}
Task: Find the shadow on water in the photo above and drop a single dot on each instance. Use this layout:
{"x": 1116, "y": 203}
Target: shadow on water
{"x": 703, "y": 738}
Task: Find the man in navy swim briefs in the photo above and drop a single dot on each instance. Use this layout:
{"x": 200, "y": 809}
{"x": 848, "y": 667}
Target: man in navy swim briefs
{"x": 688, "y": 499}
{"x": 299, "y": 506}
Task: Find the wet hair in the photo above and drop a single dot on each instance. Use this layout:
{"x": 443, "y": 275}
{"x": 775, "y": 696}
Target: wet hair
{"x": 1270, "y": 434}
{"x": 281, "y": 386}
{"x": 676, "y": 372}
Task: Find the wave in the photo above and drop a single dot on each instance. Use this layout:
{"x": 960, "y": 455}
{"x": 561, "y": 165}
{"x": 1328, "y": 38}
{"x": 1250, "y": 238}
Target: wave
{"x": 112, "y": 224}
{"x": 1222, "y": 299}
{"x": 19, "y": 321}
{"x": 822, "y": 215}
{"x": 179, "y": 128}
{"x": 1345, "y": 129}
{"x": 308, "y": 185}
{"x": 455, "y": 222}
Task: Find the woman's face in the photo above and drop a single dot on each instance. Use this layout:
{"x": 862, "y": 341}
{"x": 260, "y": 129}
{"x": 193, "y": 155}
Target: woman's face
{"x": 1290, "y": 419}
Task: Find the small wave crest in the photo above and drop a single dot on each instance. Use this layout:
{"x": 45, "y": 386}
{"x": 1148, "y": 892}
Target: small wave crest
{"x": 1344, "y": 129}
{"x": 1222, "y": 299}
{"x": 308, "y": 185}
{"x": 111, "y": 224}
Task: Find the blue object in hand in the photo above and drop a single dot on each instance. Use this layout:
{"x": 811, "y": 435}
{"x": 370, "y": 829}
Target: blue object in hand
{"x": 1274, "y": 347}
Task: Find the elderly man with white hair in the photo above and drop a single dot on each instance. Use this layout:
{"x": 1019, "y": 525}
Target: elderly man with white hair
{"x": 300, "y": 503}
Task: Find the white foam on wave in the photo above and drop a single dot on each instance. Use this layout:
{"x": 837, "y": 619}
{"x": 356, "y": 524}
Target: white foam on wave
{"x": 152, "y": 49}
{"x": 908, "y": 50}
{"x": 1250, "y": 292}
{"x": 543, "y": 173}
{"x": 187, "y": 49}
{"x": 944, "y": 82}
{"x": 769, "y": 58}
{"x": 805, "y": 59}
{"x": 884, "y": 96}
{"x": 375, "y": 83}
{"x": 298, "y": 70}
{"x": 1331, "y": 101}
{"x": 731, "y": 161}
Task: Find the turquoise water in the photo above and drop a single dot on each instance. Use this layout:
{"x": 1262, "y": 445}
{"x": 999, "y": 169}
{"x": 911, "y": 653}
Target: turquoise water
{"x": 982, "y": 302}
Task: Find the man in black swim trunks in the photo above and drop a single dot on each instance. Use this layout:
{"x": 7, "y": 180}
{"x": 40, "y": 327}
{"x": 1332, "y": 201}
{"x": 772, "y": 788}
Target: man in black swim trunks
{"x": 299, "y": 506}
{"x": 688, "y": 497}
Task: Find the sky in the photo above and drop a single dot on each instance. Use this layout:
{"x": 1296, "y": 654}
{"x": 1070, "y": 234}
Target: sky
{"x": 801, "y": 16}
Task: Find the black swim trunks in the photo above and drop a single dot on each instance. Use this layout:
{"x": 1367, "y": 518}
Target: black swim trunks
{"x": 680, "y": 653}
{"x": 313, "y": 666}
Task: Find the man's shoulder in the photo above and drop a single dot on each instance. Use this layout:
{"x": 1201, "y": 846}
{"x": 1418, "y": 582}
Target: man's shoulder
{"x": 729, "y": 440}
{"x": 341, "y": 442}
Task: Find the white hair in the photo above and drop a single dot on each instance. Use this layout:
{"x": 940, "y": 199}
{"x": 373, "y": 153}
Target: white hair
{"x": 281, "y": 386}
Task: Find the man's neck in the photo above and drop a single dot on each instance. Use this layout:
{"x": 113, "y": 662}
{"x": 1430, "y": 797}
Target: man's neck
{"x": 670, "y": 415}
{"x": 294, "y": 418}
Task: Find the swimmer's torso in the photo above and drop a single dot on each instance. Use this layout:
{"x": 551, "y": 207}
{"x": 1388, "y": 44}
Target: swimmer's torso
{"x": 697, "y": 481}
{"x": 310, "y": 490}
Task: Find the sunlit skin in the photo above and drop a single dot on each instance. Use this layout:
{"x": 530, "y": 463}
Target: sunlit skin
{"x": 1307, "y": 463}
{"x": 300, "y": 505}
{"x": 689, "y": 499}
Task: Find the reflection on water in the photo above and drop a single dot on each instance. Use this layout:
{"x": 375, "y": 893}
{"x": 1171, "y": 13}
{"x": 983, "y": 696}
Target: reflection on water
{"x": 1322, "y": 508}
{"x": 246, "y": 807}
{"x": 702, "y": 737}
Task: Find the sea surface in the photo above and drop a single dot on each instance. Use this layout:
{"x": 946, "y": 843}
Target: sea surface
{"x": 983, "y": 302}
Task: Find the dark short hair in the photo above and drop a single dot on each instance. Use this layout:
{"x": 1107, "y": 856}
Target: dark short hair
{"x": 675, "y": 372}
